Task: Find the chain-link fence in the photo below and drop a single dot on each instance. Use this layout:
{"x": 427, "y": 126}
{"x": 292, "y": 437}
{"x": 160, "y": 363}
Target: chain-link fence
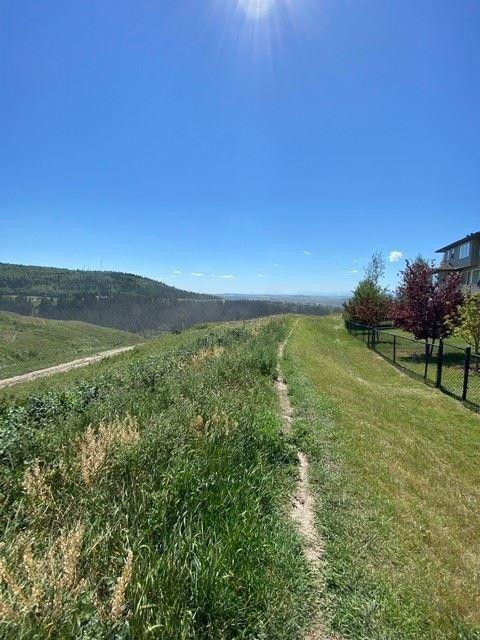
{"x": 454, "y": 370}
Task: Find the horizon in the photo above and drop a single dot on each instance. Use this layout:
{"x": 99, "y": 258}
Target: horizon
{"x": 271, "y": 147}
{"x": 219, "y": 293}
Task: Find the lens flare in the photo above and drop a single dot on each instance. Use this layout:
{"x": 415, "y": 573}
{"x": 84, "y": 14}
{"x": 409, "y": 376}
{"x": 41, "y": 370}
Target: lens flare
{"x": 259, "y": 28}
{"x": 256, "y": 8}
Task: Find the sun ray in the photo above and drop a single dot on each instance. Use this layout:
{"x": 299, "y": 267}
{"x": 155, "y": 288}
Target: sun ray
{"x": 256, "y": 9}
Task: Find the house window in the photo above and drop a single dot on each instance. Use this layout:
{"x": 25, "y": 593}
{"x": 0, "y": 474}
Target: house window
{"x": 476, "y": 277}
{"x": 464, "y": 251}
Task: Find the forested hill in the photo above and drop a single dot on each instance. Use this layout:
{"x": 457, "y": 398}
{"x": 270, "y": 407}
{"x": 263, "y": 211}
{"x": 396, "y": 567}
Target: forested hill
{"x": 53, "y": 282}
{"x": 124, "y": 301}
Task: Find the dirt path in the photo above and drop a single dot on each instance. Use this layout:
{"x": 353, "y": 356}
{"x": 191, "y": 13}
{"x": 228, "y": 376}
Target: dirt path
{"x": 61, "y": 368}
{"x": 303, "y": 502}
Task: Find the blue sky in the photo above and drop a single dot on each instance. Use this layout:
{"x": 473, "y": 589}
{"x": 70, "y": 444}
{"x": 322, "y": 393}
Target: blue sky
{"x": 276, "y": 143}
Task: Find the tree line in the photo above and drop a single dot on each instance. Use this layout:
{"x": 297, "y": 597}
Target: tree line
{"x": 58, "y": 283}
{"x": 148, "y": 315}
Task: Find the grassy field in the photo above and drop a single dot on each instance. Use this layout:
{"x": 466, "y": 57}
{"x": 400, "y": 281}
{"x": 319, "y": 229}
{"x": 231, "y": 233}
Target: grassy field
{"x": 147, "y": 499}
{"x": 395, "y": 468}
{"x": 28, "y": 344}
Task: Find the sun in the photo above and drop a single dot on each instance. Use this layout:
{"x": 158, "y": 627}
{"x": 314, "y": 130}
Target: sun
{"x": 256, "y": 8}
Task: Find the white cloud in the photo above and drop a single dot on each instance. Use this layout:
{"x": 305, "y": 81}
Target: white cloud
{"x": 261, "y": 275}
{"x": 395, "y": 256}
{"x": 177, "y": 272}
{"x": 352, "y": 271}
{"x": 275, "y": 265}
{"x": 307, "y": 253}
{"x": 197, "y": 274}
{"x": 229, "y": 276}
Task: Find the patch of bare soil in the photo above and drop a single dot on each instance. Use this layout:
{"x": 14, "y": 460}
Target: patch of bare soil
{"x": 303, "y": 503}
{"x": 62, "y": 368}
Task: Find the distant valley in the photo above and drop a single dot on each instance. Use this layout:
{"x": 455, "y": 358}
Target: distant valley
{"x": 329, "y": 299}
{"x": 133, "y": 303}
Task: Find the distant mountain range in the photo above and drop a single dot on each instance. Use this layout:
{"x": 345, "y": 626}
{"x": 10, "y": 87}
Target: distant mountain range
{"x": 134, "y": 303}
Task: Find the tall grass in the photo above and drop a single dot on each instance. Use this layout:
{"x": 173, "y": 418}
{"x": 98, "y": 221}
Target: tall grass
{"x": 148, "y": 503}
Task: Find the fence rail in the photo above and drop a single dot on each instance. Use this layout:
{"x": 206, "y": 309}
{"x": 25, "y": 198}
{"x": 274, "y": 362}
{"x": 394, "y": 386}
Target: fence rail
{"x": 452, "y": 369}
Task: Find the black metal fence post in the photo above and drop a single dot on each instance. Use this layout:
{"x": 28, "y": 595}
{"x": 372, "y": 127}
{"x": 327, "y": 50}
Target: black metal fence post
{"x": 427, "y": 358}
{"x": 407, "y": 356}
{"x": 438, "y": 383}
{"x": 466, "y": 371}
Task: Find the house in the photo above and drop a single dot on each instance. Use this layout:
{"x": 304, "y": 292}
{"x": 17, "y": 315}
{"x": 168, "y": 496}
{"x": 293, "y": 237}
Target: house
{"x": 462, "y": 256}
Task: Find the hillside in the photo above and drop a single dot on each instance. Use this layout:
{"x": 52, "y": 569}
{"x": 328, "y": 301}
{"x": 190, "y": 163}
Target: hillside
{"x": 159, "y": 491}
{"x": 149, "y": 501}
{"x": 22, "y": 280}
{"x": 125, "y": 301}
{"x": 27, "y": 344}
{"x": 395, "y": 467}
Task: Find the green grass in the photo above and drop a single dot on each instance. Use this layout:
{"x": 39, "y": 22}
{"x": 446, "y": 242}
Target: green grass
{"x": 28, "y": 344}
{"x": 410, "y": 355}
{"x": 176, "y": 492}
{"x": 395, "y": 469}
{"x": 153, "y": 347}
{"x": 453, "y": 340}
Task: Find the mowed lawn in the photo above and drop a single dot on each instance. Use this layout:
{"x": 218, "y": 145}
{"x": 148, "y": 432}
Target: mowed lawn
{"x": 395, "y": 466}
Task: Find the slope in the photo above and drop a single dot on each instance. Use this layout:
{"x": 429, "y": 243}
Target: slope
{"x": 148, "y": 500}
{"x": 27, "y": 344}
{"x": 23, "y": 280}
{"x": 395, "y": 467}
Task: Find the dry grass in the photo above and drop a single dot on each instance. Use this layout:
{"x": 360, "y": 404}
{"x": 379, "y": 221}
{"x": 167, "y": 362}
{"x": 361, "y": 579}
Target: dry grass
{"x": 206, "y": 354}
{"x": 37, "y": 491}
{"x": 94, "y": 445}
{"x": 118, "y": 596}
{"x": 40, "y": 573}
{"x": 46, "y": 581}
{"x": 41, "y": 580}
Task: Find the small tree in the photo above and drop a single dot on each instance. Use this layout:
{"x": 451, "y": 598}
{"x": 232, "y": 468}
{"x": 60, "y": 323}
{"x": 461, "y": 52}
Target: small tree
{"x": 375, "y": 269}
{"x": 467, "y": 324}
{"x": 424, "y": 306}
{"x": 370, "y": 302}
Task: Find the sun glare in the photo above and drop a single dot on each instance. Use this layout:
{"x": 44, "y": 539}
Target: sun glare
{"x": 256, "y": 8}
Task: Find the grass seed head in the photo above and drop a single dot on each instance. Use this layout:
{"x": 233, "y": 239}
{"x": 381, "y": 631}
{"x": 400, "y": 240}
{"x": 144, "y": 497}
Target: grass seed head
{"x": 70, "y": 545}
{"x": 119, "y": 591}
{"x": 36, "y": 489}
{"x": 93, "y": 447}
{"x": 198, "y": 424}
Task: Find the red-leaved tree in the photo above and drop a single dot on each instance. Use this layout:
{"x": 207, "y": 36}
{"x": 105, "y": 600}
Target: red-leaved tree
{"x": 424, "y": 306}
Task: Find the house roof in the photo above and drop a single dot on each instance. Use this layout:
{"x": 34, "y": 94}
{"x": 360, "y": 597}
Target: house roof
{"x": 471, "y": 236}
{"x": 446, "y": 267}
